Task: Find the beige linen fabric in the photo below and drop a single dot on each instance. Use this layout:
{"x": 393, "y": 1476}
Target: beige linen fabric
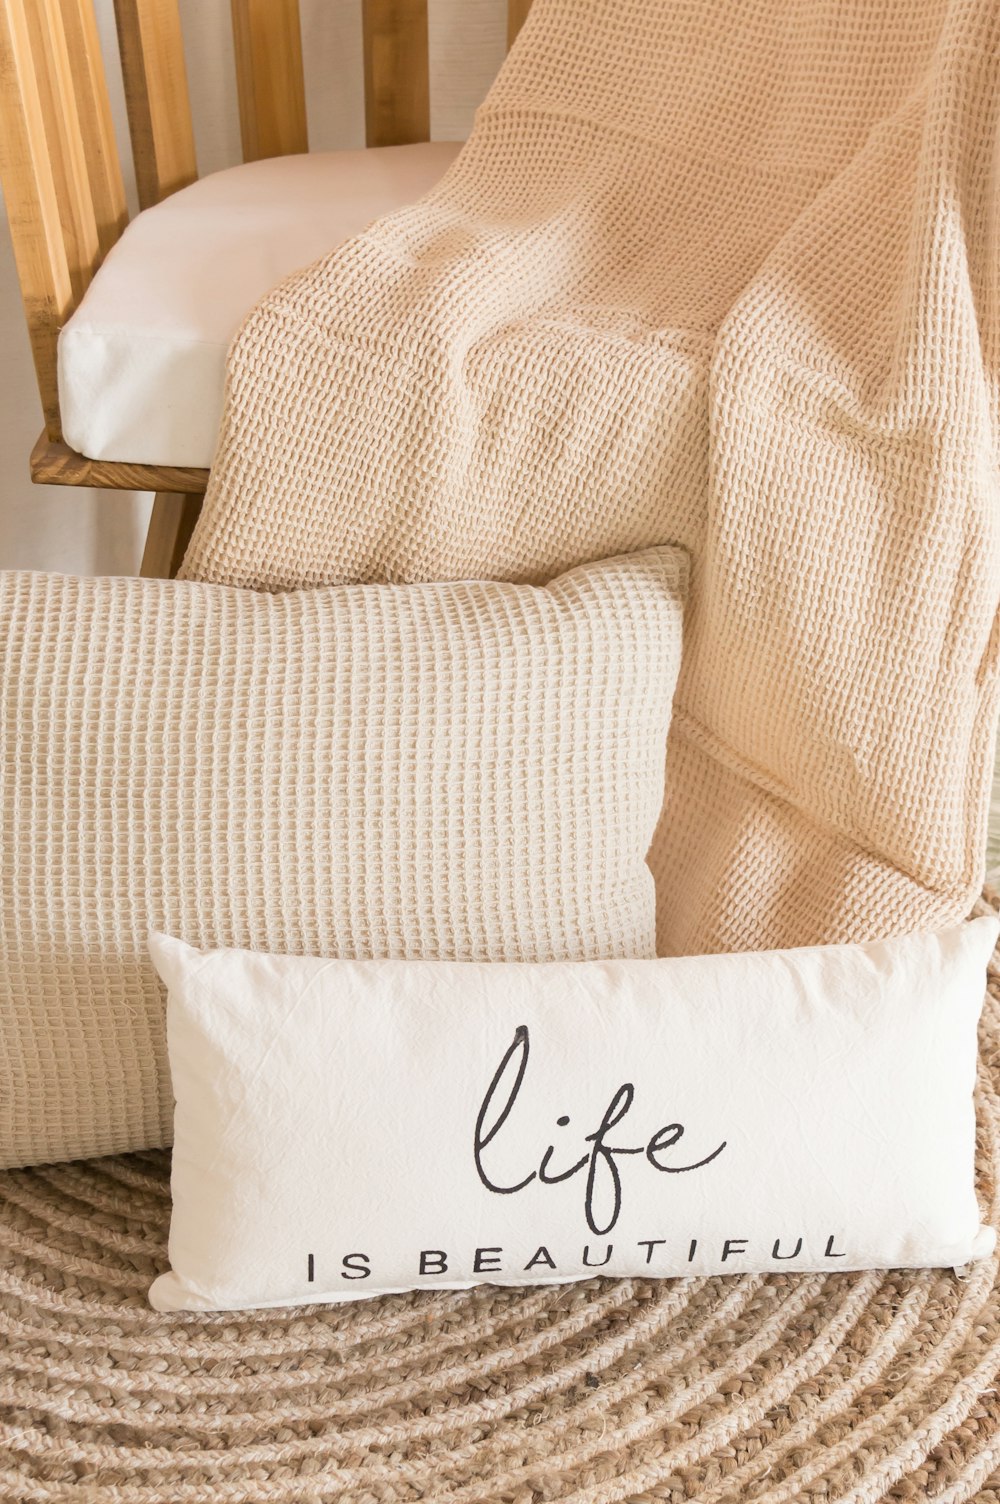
{"x": 723, "y": 274}
{"x": 455, "y": 771}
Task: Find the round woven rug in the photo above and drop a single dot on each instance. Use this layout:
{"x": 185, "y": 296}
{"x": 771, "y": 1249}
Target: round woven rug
{"x": 853, "y": 1387}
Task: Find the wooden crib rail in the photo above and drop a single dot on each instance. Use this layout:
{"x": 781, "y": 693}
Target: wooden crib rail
{"x": 61, "y": 175}
{"x": 270, "y": 82}
{"x": 156, "y": 97}
{"x": 397, "y": 76}
{"x": 93, "y": 117}
{"x": 397, "y": 72}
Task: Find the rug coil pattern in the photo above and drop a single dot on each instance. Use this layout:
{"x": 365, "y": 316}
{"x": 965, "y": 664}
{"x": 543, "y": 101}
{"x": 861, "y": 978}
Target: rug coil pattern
{"x": 847, "y": 1388}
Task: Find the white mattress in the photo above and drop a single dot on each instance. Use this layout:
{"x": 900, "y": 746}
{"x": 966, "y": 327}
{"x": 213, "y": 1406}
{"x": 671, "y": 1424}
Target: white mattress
{"x": 142, "y": 360}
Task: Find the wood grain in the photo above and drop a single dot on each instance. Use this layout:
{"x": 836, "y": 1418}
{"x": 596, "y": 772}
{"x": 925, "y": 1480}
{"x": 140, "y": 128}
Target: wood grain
{"x": 267, "y": 39}
{"x": 171, "y": 524}
{"x": 55, "y": 464}
{"x": 156, "y": 97}
{"x": 397, "y": 80}
{"x": 93, "y": 111}
{"x": 57, "y": 97}
{"x": 29, "y": 183}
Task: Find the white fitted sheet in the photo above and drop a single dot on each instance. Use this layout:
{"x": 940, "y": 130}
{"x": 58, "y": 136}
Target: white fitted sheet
{"x": 142, "y": 360}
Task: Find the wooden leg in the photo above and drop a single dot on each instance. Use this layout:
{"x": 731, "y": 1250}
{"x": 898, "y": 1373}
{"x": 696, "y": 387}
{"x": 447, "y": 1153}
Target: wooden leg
{"x": 171, "y": 524}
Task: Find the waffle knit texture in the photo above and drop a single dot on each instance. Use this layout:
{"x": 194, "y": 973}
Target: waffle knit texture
{"x": 452, "y": 771}
{"x": 726, "y": 274}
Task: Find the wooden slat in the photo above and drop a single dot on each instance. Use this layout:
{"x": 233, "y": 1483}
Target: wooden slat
{"x": 517, "y": 14}
{"x": 54, "y": 464}
{"x": 156, "y": 96}
{"x": 267, "y": 39}
{"x": 397, "y": 85}
{"x": 97, "y": 133}
{"x": 57, "y": 96}
{"x": 33, "y": 209}
{"x": 171, "y": 524}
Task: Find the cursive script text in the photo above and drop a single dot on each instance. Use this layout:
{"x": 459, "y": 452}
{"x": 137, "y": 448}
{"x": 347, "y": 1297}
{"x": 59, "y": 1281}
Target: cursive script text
{"x": 603, "y": 1193}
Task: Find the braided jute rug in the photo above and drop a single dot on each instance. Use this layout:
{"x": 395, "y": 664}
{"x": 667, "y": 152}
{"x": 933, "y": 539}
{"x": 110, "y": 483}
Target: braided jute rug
{"x": 851, "y": 1387}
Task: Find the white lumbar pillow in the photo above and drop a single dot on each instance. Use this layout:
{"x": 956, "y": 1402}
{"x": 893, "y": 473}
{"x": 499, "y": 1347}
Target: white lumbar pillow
{"x": 350, "y": 1128}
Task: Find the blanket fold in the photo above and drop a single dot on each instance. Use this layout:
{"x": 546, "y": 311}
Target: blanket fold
{"x": 725, "y": 275}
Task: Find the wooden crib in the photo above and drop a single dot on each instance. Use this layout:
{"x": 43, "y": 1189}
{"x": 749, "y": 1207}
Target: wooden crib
{"x": 63, "y": 182}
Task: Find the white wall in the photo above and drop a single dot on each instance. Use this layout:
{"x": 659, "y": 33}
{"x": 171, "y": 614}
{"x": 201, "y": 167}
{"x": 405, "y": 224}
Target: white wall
{"x": 68, "y": 528}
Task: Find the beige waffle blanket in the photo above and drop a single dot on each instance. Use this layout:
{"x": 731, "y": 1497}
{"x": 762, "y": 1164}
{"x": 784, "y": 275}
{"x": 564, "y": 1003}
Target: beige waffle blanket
{"x": 724, "y": 273}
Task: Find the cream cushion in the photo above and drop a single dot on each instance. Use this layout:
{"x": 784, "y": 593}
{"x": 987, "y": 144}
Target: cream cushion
{"x": 447, "y": 771}
{"x": 350, "y": 1127}
{"x": 142, "y": 360}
